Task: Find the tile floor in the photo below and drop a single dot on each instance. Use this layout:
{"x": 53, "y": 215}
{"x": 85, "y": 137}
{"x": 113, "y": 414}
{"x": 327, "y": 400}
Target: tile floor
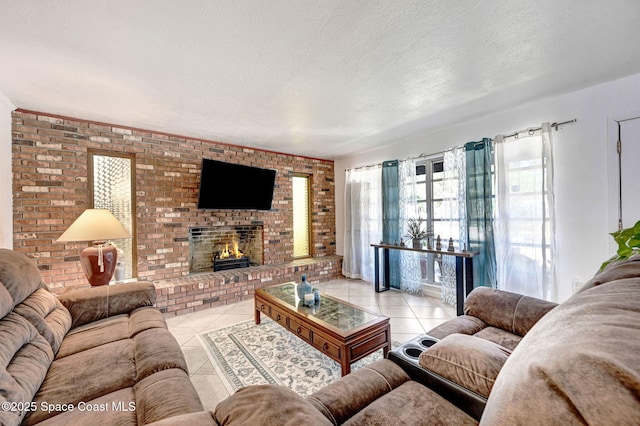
{"x": 410, "y": 316}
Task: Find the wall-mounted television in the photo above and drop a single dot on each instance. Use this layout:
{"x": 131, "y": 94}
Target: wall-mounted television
{"x": 227, "y": 186}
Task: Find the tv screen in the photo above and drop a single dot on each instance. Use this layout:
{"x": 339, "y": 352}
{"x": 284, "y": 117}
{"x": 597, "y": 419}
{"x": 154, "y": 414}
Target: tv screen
{"x": 227, "y": 186}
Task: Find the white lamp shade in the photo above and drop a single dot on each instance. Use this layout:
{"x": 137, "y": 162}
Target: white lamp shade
{"x": 94, "y": 225}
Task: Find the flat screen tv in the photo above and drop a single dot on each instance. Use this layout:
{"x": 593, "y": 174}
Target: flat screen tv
{"x": 227, "y": 186}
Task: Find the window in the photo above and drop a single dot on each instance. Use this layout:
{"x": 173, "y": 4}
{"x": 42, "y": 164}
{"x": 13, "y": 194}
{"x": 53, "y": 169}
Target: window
{"x": 111, "y": 187}
{"x": 301, "y": 216}
{"x": 528, "y": 213}
{"x": 525, "y": 215}
{"x": 439, "y": 210}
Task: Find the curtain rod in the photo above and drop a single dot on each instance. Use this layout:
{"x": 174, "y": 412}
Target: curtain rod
{"x": 367, "y": 166}
{"x": 627, "y": 119}
{"x": 532, "y": 130}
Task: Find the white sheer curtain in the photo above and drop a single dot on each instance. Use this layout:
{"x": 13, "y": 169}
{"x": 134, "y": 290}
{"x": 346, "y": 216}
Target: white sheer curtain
{"x": 363, "y": 221}
{"x": 410, "y": 274}
{"x": 525, "y": 214}
{"x": 453, "y": 211}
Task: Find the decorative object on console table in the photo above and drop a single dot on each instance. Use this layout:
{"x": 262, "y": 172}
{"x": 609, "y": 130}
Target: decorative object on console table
{"x": 96, "y": 225}
{"x": 415, "y": 232}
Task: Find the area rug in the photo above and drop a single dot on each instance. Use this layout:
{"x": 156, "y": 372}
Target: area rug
{"x": 248, "y": 354}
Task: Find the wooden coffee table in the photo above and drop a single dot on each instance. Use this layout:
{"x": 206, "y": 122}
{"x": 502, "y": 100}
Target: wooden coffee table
{"x": 342, "y": 331}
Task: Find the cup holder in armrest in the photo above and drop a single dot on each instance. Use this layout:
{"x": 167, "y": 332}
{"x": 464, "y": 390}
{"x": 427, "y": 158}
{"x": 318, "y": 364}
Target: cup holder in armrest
{"x": 413, "y": 352}
{"x": 427, "y": 341}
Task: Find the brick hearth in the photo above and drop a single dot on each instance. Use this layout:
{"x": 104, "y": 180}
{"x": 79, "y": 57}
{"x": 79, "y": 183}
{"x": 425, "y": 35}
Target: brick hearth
{"x": 207, "y": 290}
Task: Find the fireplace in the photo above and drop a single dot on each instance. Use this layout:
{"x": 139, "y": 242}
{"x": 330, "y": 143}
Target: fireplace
{"x": 220, "y": 248}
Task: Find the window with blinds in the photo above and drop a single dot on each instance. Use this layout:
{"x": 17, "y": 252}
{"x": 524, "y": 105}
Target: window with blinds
{"x": 301, "y": 216}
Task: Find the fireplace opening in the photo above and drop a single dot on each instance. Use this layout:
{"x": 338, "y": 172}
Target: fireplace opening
{"x": 230, "y": 259}
{"x": 223, "y": 247}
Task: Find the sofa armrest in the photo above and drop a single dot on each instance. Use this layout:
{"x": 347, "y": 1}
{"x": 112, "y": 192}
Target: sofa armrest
{"x": 342, "y": 399}
{"x": 469, "y": 361}
{"x": 267, "y": 405}
{"x": 511, "y": 312}
{"x": 95, "y": 303}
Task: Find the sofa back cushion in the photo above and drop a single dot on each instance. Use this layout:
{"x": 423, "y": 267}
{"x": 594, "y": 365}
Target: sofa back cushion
{"x": 19, "y": 278}
{"x": 32, "y": 325}
{"x": 578, "y": 364}
{"x": 508, "y": 311}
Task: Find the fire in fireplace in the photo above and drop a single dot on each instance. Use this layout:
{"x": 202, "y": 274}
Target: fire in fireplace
{"x": 230, "y": 259}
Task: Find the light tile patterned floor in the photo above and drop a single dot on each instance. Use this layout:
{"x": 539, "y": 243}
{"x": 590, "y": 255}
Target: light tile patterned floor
{"x": 410, "y": 316}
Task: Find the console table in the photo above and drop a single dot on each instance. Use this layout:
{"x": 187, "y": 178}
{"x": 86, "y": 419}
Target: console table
{"x": 464, "y": 269}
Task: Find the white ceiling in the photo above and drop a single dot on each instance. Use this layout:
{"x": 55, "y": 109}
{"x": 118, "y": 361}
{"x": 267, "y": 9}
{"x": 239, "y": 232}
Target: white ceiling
{"x": 322, "y": 78}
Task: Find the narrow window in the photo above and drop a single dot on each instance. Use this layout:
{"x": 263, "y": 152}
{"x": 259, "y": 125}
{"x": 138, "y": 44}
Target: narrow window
{"x": 301, "y": 216}
{"x": 111, "y": 187}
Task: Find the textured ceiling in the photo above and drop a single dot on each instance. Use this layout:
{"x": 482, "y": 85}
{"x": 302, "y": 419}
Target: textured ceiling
{"x": 322, "y": 78}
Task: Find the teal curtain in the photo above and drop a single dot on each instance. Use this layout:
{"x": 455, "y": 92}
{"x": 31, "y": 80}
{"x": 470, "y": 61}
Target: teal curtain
{"x": 479, "y": 198}
{"x": 391, "y": 218}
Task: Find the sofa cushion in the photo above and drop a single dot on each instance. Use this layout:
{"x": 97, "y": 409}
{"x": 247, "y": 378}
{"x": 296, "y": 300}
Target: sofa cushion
{"x": 33, "y": 324}
{"x": 616, "y": 270}
{"x": 93, "y": 304}
{"x": 464, "y": 324}
{"x": 267, "y": 405}
{"x": 19, "y": 277}
{"x": 469, "y": 361}
{"x": 113, "y": 408}
{"x": 499, "y": 336}
{"x": 85, "y": 376}
{"x": 512, "y": 312}
{"x": 343, "y": 398}
{"x": 164, "y": 394}
{"x": 25, "y": 357}
{"x": 201, "y": 418}
{"x": 91, "y": 364}
{"x": 411, "y": 404}
{"x": 110, "y": 329}
{"x": 578, "y": 365}
{"x": 46, "y": 313}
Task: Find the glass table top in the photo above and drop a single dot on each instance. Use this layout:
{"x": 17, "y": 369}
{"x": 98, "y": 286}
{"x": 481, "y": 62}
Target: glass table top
{"x": 331, "y": 311}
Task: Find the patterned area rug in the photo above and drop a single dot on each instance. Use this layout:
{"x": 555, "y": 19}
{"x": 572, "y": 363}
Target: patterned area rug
{"x": 249, "y": 354}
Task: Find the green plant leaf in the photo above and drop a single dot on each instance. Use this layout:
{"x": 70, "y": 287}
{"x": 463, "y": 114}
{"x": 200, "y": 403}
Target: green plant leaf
{"x": 624, "y": 252}
{"x": 628, "y": 241}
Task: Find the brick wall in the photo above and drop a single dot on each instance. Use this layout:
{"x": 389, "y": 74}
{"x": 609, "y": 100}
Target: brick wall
{"x": 51, "y": 190}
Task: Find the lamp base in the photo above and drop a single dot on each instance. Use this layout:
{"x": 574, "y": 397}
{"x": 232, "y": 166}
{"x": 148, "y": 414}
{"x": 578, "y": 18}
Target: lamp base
{"x": 90, "y": 265}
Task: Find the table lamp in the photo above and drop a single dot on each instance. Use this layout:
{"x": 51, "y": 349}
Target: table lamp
{"x": 97, "y": 225}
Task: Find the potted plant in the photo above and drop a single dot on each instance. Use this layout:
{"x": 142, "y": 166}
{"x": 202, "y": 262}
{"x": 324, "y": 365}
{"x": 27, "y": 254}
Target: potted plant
{"x": 628, "y": 240}
{"x": 415, "y": 232}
